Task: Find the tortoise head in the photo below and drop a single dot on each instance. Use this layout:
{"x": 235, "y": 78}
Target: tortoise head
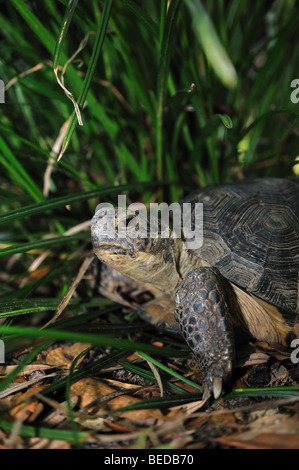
{"x": 151, "y": 260}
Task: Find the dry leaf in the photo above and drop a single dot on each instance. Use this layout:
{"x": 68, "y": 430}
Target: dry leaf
{"x": 63, "y": 356}
{"x": 124, "y": 385}
{"x": 190, "y": 408}
{"x": 90, "y": 389}
{"x": 262, "y": 441}
{"x": 138, "y": 415}
{"x": 256, "y": 358}
{"x": 117, "y": 427}
{"x": 95, "y": 423}
{"x": 59, "y": 413}
{"x": 32, "y": 407}
{"x": 38, "y": 443}
{"x": 274, "y": 431}
{"x": 278, "y": 351}
{"x": 5, "y": 370}
{"x": 39, "y": 273}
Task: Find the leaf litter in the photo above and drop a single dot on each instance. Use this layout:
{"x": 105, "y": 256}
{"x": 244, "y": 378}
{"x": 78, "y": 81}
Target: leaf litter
{"x": 238, "y": 422}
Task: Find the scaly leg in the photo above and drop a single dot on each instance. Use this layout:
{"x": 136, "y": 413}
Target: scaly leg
{"x": 203, "y": 315}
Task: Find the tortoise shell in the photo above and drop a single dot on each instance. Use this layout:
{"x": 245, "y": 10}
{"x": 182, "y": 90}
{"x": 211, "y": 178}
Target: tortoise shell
{"x": 251, "y": 235}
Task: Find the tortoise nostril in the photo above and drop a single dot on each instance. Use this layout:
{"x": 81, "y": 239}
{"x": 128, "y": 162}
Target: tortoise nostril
{"x": 128, "y": 219}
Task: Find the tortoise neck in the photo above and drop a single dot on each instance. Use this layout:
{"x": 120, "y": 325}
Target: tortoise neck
{"x": 183, "y": 261}
{"x": 189, "y": 261}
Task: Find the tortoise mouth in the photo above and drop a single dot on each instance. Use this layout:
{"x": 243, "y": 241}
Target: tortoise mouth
{"x": 114, "y": 250}
{"x": 112, "y": 247}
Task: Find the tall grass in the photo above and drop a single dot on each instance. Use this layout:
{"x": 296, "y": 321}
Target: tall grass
{"x": 184, "y": 93}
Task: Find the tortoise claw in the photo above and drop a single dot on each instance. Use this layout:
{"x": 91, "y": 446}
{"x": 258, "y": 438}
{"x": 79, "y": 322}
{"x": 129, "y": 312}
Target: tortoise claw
{"x": 206, "y": 392}
{"x": 212, "y": 386}
{"x": 217, "y": 387}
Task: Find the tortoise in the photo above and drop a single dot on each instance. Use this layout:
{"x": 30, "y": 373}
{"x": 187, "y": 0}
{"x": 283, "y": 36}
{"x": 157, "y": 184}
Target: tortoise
{"x": 241, "y": 282}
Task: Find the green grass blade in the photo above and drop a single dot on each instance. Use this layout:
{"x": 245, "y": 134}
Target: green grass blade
{"x": 65, "y": 25}
{"x": 169, "y": 401}
{"x": 149, "y": 376}
{"x": 39, "y": 244}
{"x": 170, "y": 371}
{"x": 168, "y": 29}
{"x": 44, "y": 433}
{"x": 92, "y": 368}
{"x": 161, "y": 402}
{"x": 97, "y": 340}
{"x": 142, "y": 17}
{"x": 284, "y": 391}
{"x": 17, "y": 172}
{"x": 36, "y": 26}
{"x": 211, "y": 44}
{"x": 42, "y": 207}
{"x": 100, "y": 35}
{"x": 71, "y": 414}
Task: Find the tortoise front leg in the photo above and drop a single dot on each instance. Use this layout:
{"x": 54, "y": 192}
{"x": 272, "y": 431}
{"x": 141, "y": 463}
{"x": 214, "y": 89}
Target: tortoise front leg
{"x": 203, "y": 315}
